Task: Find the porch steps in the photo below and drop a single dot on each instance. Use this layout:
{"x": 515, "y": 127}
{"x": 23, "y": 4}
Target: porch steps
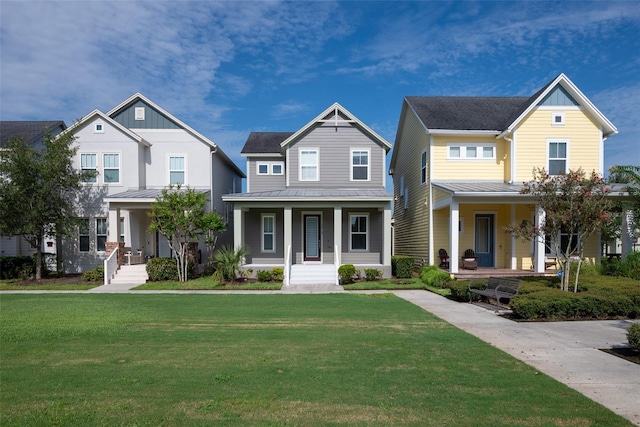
{"x": 313, "y": 274}
{"x": 131, "y": 274}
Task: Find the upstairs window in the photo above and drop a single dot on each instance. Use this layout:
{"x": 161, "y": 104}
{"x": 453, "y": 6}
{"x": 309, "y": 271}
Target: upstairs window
{"x": 101, "y": 234}
{"x": 423, "y": 167}
{"x": 270, "y": 168}
{"x": 309, "y": 165}
{"x": 360, "y": 165}
{"x": 111, "y": 168}
{"x": 98, "y": 128}
{"x": 263, "y": 169}
{"x": 83, "y": 235}
{"x": 176, "y": 170}
{"x": 276, "y": 169}
{"x": 88, "y": 167}
{"x": 139, "y": 113}
{"x": 557, "y": 118}
{"x": 358, "y": 232}
{"x": 557, "y": 157}
{"x": 470, "y": 151}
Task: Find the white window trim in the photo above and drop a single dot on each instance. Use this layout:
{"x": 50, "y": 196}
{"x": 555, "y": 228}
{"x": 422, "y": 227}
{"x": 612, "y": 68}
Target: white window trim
{"x": 351, "y": 233}
{"x": 258, "y": 168}
{"x": 364, "y": 150}
{"x": 423, "y": 155}
{"x": 262, "y": 232}
{"x": 555, "y": 114}
{"x": 317, "y": 151}
{"x": 281, "y": 164}
{"x": 95, "y": 127}
{"x": 560, "y": 140}
{"x": 479, "y": 146}
{"x": 139, "y": 113}
{"x": 186, "y": 167}
{"x": 270, "y": 167}
{"x": 88, "y": 169}
{"x": 119, "y": 182}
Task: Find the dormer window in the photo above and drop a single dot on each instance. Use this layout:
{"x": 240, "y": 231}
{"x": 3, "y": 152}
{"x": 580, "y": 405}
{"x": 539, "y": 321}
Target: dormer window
{"x": 139, "y": 113}
{"x": 557, "y": 118}
{"x": 98, "y": 128}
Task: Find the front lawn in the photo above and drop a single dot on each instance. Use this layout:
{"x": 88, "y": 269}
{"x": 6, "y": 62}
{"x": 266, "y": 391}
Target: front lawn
{"x": 263, "y": 360}
{"x": 207, "y": 283}
{"x": 65, "y": 283}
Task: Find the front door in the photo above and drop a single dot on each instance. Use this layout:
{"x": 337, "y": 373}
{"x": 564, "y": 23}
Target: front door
{"x": 312, "y": 238}
{"x": 485, "y": 250}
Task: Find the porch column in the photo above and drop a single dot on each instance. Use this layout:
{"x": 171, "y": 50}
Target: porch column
{"x": 539, "y": 242}
{"x": 454, "y": 236}
{"x": 625, "y": 234}
{"x": 238, "y": 226}
{"x": 386, "y": 237}
{"x": 337, "y": 233}
{"x": 287, "y": 237}
{"x": 113, "y": 228}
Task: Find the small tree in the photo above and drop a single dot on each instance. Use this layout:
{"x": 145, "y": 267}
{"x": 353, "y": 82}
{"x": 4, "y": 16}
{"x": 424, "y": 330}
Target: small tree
{"x": 575, "y": 204}
{"x": 37, "y": 189}
{"x": 179, "y": 215}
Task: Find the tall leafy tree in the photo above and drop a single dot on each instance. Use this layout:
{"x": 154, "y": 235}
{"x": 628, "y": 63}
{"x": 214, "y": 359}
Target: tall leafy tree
{"x": 37, "y": 190}
{"x": 180, "y": 216}
{"x": 575, "y": 205}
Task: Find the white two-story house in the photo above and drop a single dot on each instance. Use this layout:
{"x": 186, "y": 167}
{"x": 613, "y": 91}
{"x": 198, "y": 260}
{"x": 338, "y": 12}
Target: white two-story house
{"x": 137, "y": 149}
{"x": 315, "y": 199}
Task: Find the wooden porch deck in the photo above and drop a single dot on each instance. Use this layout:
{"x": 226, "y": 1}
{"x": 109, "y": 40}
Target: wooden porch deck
{"x": 500, "y": 272}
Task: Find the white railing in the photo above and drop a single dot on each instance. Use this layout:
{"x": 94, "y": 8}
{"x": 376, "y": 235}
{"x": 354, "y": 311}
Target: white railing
{"x": 287, "y": 266}
{"x": 336, "y": 261}
{"x": 110, "y": 266}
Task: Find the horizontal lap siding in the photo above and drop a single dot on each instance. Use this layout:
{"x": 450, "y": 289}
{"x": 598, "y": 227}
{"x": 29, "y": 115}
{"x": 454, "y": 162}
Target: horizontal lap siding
{"x": 372, "y": 255}
{"x": 469, "y": 170}
{"x": 265, "y": 182}
{"x": 253, "y": 235}
{"x": 441, "y": 233}
{"x": 583, "y": 135}
{"x": 411, "y": 224}
{"x": 334, "y": 145}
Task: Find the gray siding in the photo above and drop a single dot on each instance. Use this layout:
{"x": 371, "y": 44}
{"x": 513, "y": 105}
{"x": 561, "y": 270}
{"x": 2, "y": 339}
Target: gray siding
{"x": 326, "y": 234}
{"x": 334, "y": 144}
{"x": 253, "y": 236}
{"x": 557, "y": 97}
{"x": 153, "y": 119}
{"x": 374, "y": 253}
{"x": 269, "y": 182}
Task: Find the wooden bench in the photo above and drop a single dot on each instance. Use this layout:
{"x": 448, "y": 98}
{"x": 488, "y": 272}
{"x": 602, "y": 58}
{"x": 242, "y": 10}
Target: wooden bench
{"x": 496, "y": 288}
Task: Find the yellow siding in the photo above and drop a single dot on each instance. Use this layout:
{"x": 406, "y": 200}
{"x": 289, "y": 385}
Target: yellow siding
{"x": 531, "y": 141}
{"x": 441, "y": 231}
{"x": 494, "y": 170}
{"x": 439, "y": 195}
{"x": 411, "y": 224}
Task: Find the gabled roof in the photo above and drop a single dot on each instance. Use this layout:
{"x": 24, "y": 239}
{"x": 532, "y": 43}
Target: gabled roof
{"x": 265, "y": 142}
{"x": 97, "y": 113}
{"x": 31, "y": 131}
{"x": 138, "y": 96}
{"x": 339, "y": 111}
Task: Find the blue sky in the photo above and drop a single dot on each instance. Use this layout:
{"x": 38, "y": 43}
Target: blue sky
{"x": 227, "y": 69}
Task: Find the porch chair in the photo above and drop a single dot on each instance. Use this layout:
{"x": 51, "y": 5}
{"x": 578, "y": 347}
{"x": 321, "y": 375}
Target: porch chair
{"x": 469, "y": 260}
{"x": 444, "y": 259}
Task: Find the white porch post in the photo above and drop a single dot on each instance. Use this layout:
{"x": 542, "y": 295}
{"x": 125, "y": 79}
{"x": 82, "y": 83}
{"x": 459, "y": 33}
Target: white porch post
{"x": 238, "y": 226}
{"x": 113, "y": 230}
{"x": 386, "y": 237}
{"x": 287, "y": 237}
{"x": 625, "y": 235}
{"x": 337, "y": 231}
{"x": 454, "y": 236}
{"x": 539, "y": 242}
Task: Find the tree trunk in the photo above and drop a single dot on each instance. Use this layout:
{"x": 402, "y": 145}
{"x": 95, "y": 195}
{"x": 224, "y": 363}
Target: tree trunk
{"x": 38, "y": 258}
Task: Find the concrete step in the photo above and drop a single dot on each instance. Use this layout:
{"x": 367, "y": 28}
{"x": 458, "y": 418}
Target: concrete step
{"x": 313, "y": 274}
{"x": 131, "y": 274}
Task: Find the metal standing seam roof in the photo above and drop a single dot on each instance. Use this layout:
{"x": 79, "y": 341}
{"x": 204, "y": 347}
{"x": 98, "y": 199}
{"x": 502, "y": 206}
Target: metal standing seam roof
{"x": 478, "y": 188}
{"x": 313, "y": 194}
{"x": 142, "y": 194}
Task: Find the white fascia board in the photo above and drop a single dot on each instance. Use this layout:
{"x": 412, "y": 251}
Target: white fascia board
{"x": 261, "y": 155}
{"x": 332, "y": 201}
{"x": 464, "y": 132}
{"x": 113, "y": 123}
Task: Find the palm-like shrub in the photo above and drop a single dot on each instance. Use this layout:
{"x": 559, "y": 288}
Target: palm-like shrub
{"x": 228, "y": 261}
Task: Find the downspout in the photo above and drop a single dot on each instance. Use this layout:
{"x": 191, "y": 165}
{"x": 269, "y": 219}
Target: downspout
{"x": 512, "y": 158}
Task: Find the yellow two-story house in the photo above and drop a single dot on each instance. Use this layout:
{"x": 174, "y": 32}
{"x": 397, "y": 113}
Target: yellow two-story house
{"x": 458, "y": 166}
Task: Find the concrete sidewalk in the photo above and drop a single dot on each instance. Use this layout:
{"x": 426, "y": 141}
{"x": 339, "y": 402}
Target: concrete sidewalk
{"x": 566, "y": 351}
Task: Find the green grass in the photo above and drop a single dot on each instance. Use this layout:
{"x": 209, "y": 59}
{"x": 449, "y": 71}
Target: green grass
{"x": 14, "y": 285}
{"x": 207, "y": 283}
{"x": 263, "y": 360}
{"x": 386, "y": 284}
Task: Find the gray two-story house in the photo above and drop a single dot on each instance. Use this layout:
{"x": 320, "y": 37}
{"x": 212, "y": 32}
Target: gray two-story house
{"x": 315, "y": 199}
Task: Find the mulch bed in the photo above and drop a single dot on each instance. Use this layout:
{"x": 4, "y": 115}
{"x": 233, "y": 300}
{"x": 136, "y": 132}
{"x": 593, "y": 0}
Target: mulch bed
{"x": 624, "y": 353}
{"x": 75, "y": 279}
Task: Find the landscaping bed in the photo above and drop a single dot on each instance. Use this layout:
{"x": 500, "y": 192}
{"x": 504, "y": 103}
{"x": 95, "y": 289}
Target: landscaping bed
{"x": 66, "y": 283}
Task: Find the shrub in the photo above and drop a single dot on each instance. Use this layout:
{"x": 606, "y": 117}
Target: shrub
{"x": 633, "y": 336}
{"x": 95, "y": 275}
{"x": 431, "y": 275}
{"x": 402, "y": 266}
{"x": 459, "y": 290}
{"x": 278, "y": 274}
{"x": 160, "y": 269}
{"x": 264, "y": 275}
{"x": 372, "y": 274}
{"x": 14, "y": 267}
{"x": 628, "y": 266}
{"x": 346, "y": 273}
{"x": 228, "y": 261}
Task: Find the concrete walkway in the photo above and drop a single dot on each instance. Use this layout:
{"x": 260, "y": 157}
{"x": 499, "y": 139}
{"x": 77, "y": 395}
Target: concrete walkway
{"x": 566, "y": 351}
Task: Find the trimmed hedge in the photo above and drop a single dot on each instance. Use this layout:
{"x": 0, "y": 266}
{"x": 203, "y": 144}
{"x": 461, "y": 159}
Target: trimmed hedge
{"x": 402, "y": 266}
{"x": 346, "y": 273}
{"x": 633, "y": 336}
{"x": 95, "y": 275}
{"x": 558, "y": 305}
{"x": 372, "y": 274}
{"x": 161, "y": 269}
{"x": 431, "y": 275}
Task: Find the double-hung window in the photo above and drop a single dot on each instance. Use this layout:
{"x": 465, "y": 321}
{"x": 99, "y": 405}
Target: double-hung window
{"x": 360, "y": 165}
{"x": 83, "y": 235}
{"x": 176, "y": 170}
{"x": 111, "y": 167}
{"x": 89, "y": 166}
{"x": 268, "y": 233}
{"x": 309, "y": 165}
{"x": 557, "y": 157}
{"x": 358, "y": 232}
{"x": 101, "y": 234}
{"x": 423, "y": 167}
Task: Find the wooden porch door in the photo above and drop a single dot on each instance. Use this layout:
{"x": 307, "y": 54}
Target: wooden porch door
{"x": 312, "y": 247}
{"x": 485, "y": 245}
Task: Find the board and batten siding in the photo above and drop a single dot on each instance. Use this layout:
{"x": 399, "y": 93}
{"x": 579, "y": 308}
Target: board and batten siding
{"x": 153, "y": 119}
{"x": 580, "y": 130}
{"x": 469, "y": 169}
{"x": 268, "y": 182}
{"x": 411, "y": 229}
{"x": 334, "y": 144}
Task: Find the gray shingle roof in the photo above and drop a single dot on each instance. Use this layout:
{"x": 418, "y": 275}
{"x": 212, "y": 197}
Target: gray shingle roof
{"x": 31, "y": 131}
{"x": 265, "y": 142}
{"x": 467, "y": 112}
